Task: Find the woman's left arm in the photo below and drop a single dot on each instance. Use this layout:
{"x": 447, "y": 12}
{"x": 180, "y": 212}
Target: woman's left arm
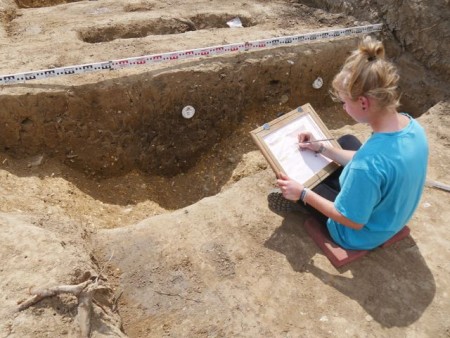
{"x": 327, "y": 208}
{"x": 292, "y": 190}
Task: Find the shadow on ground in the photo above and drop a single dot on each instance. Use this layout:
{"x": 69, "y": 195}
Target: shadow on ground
{"x": 393, "y": 285}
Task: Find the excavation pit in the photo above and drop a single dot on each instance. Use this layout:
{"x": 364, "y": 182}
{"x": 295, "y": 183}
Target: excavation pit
{"x": 102, "y": 176}
{"x": 41, "y": 3}
{"x": 160, "y": 26}
{"x": 128, "y": 139}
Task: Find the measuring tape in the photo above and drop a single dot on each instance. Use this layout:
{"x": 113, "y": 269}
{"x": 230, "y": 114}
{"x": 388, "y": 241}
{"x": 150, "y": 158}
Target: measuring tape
{"x": 187, "y": 54}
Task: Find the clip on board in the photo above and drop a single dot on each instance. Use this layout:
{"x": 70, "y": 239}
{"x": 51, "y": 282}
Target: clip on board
{"x": 278, "y": 142}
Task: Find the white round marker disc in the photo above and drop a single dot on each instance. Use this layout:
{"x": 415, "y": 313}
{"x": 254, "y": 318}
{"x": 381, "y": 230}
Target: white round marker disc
{"x": 318, "y": 83}
{"x": 188, "y": 112}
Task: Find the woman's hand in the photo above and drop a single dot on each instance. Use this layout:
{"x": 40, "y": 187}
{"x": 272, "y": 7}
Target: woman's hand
{"x": 304, "y": 138}
{"x": 290, "y": 189}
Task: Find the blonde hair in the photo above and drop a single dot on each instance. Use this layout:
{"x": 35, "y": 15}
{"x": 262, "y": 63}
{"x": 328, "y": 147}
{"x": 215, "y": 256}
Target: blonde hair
{"x": 367, "y": 73}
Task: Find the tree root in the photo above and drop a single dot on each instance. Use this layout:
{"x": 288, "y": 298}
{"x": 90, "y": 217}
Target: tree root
{"x": 84, "y": 293}
{"x": 84, "y": 313}
{"x": 40, "y": 294}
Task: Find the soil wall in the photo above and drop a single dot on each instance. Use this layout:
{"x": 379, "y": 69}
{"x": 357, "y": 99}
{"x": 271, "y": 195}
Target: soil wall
{"x": 135, "y": 122}
{"x": 419, "y": 27}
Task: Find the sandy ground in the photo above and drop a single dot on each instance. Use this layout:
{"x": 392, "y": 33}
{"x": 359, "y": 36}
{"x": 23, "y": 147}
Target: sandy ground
{"x": 226, "y": 266}
{"x": 222, "y": 266}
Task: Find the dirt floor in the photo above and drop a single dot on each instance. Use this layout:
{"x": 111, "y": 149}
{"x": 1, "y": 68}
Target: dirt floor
{"x": 99, "y": 173}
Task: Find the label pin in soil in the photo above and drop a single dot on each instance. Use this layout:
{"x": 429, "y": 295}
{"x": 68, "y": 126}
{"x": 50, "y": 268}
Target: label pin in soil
{"x": 188, "y": 112}
{"x": 318, "y": 83}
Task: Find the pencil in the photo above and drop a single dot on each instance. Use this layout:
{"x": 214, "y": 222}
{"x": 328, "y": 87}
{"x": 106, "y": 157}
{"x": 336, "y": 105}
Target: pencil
{"x": 314, "y": 141}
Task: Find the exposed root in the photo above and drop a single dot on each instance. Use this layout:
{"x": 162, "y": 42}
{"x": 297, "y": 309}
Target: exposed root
{"x": 84, "y": 292}
{"x": 40, "y": 294}
{"x": 177, "y": 295}
{"x": 84, "y": 312}
{"x": 116, "y": 301}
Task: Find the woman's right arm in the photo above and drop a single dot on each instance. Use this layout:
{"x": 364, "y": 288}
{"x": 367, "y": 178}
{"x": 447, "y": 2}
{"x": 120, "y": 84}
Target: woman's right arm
{"x": 338, "y": 155}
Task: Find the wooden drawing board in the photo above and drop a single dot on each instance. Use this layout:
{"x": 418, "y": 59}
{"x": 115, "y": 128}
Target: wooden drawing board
{"x": 278, "y": 142}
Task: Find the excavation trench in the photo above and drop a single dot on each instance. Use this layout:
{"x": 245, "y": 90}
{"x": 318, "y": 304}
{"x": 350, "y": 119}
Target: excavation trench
{"x": 41, "y": 3}
{"x": 159, "y": 26}
{"x": 129, "y": 132}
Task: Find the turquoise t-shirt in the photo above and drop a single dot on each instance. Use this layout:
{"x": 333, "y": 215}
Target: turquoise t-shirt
{"x": 381, "y": 187}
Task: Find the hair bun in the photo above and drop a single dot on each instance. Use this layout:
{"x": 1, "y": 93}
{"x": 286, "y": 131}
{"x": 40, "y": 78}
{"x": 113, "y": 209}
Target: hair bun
{"x": 361, "y": 77}
{"x": 371, "y": 49}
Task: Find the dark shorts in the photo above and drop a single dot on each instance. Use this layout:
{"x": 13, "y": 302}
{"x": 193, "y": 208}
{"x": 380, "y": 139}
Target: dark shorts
{"x": 330, "y": 187}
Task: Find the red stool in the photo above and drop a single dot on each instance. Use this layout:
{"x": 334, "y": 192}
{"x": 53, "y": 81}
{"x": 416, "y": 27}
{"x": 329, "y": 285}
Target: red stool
{"x": 337, "y": 255}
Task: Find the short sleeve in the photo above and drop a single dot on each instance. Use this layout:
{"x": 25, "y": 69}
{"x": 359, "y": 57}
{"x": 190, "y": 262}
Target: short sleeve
{"x": 359, "y": 195}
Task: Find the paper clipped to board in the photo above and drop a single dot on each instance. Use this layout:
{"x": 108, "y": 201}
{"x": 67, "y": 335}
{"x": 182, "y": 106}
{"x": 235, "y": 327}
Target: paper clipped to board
{"x": 278, "y": 142}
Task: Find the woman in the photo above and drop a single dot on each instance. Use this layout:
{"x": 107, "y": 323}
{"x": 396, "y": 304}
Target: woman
{"x": 381, "y": 183}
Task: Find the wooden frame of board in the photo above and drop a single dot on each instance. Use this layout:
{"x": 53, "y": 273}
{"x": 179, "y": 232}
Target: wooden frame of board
{"x": 277, "y": 142}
